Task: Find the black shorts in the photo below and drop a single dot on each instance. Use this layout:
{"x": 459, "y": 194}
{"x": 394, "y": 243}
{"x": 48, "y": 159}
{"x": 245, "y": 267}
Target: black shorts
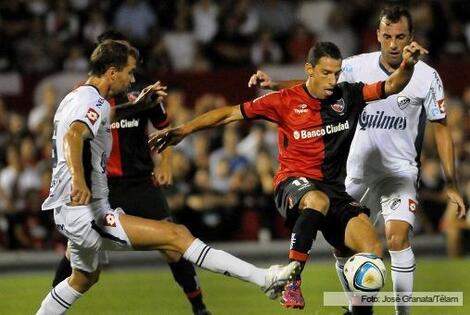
{"x": 139, "y": 197}
{"x": 342, "y": 206}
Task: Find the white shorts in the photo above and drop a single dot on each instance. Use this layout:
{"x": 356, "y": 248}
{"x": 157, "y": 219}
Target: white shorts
{"x": 91, "y": 229}
{"x": 394, "y": 195}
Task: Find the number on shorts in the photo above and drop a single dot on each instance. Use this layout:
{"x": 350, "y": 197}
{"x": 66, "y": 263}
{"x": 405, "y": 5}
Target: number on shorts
{"x": 300, "y": 181}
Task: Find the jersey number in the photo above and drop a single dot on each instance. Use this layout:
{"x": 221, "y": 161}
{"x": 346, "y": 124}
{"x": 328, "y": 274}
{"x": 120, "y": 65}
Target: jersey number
{"x": 300, "y": 181}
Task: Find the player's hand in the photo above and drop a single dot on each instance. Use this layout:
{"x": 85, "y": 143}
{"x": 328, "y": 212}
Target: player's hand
{"x": 455, "y": 197}
{"x": 260, "y": 79}
{"x": 159, "y": 140}
{"x": 152, "y": 94}
{"x": 162, "y": 176}
{"x": 412, "y": 52}
{"x": 80, "y": 194}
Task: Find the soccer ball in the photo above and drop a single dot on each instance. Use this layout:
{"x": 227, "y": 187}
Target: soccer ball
{"x": 365, "y": 272}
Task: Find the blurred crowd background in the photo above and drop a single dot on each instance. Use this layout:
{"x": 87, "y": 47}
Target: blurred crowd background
{"x": 222, "y": 178}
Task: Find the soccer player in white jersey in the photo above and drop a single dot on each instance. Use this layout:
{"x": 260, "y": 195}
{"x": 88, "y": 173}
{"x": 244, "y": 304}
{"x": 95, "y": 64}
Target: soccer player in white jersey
{"x": 383, "y": 162}
{"x": 78, "y": 193}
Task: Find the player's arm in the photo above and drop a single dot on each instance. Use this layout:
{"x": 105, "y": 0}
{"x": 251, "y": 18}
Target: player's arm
{"x": 73, "y": 151}
{"x": 163, "y": 172}
{"x": 400, "y": 77}
{"x": 149, "y": 97}
{"x": 264, "y": 81}
{"x": 445, "y": 148}
{"x": 213, "y": 118}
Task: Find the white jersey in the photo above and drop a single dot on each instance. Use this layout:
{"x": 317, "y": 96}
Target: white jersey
{"x": 86, "y": 105}
{"x": 390, "y": 132}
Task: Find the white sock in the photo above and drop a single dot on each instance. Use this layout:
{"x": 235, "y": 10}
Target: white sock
{"x": 59, "y": 299}
{"x": 219, "y": 261}
{"x": 339, "y": 265}
{"x": 403, "y": 271}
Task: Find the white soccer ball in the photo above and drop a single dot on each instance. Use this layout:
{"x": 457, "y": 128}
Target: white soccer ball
{"x": 365, "y": 272}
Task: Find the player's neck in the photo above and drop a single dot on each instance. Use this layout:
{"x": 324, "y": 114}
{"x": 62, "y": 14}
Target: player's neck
{"x": 388, "y": 67}
{"x": 100, "y": 84}
{"x": 312, "y": 90}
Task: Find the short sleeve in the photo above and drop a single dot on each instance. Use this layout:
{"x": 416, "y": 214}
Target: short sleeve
{"x": 264, "y": 107}
{"x": 158, "y": 116}
{"x": 347, "y": 72}
{"x": 434, "y": 103}
{"x": 91, "y": 111}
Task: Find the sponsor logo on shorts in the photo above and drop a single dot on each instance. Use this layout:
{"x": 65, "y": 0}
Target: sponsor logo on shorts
{"x": 355, "y": 204}
{"x": 109, "y": 220}
{"x": 92, "y": 115}
{"x": 395, "y": 203}
{"x": 293, "y": 239}
{"x": 100, "y": 102}
{"x": 60, "y": 227}
{"x": 412, "y": 205}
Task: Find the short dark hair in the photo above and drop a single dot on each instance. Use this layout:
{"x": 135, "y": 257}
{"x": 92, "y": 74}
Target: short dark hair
{"x": 323, "y": 49}
{"x": 111, "y": 34}
{"x": 394, "y": 14}
{"x": 110, "y": 53}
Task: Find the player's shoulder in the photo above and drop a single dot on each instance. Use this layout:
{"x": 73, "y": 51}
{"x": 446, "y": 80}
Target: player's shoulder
{"x": 89, "y": 95}
{"x": 360, "y": 60}
{"x": 423, "y": 69}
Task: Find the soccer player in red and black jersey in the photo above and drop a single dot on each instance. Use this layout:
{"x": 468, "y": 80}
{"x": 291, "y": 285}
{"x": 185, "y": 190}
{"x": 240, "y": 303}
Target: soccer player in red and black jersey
{"x": 134, "y": 182}
{"x": 316, "y": 122}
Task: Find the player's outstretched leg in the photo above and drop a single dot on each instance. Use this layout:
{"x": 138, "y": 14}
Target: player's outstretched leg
{"x": 360, "y": 236}
{"x": 402, "y": 260}
{"x": 185, "y": 275}
{"x": 63, "y": 271}
{"x": 64, "y": 294}
{"x": 313, "y": 207}
{"x": 151, "y": 234}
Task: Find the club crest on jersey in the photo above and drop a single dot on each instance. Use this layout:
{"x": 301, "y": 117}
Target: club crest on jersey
{"x": 301, "y": 109}
{"x": 412, "y": 205}
{"x": 339, "y": 106}
{"x": 132, "y": 96}
{"x": 109, "y": 220}
{"x": 354, "y": 204}
{"x": 92, "y": 115}
{"x": 403, "y": 102}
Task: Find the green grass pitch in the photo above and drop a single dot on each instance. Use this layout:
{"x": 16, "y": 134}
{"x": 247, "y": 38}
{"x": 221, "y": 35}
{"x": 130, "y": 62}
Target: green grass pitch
{"x": 155, "y": 292}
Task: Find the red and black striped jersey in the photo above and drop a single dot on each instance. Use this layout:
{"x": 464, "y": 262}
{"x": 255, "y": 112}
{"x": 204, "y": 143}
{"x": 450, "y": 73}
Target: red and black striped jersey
{"x": 314, "y": 135}
{"x": 130, "y": 155}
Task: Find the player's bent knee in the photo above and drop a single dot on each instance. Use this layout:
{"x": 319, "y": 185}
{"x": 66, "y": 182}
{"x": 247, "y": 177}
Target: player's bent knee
{"x": 181, "y": 237}
{"x": 171, "y": 256}
{"x": 316, "y": 200}
{"x": 82, "y": 281}
{"x": 397, "y": 242}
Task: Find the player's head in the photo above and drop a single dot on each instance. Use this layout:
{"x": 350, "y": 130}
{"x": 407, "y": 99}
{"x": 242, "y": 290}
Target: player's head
{"x": 115, "y": 62}
{"x": 394, "y": 32}
{"x": 323, "y": 67}
{"x": 111, "y": 35}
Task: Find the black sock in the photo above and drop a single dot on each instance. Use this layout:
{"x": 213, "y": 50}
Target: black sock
{"x": 63, "y": 271}
{"x": 303, "y": 234}
{"x": 185, "y": 275}
{"x": 362, "y": 310}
